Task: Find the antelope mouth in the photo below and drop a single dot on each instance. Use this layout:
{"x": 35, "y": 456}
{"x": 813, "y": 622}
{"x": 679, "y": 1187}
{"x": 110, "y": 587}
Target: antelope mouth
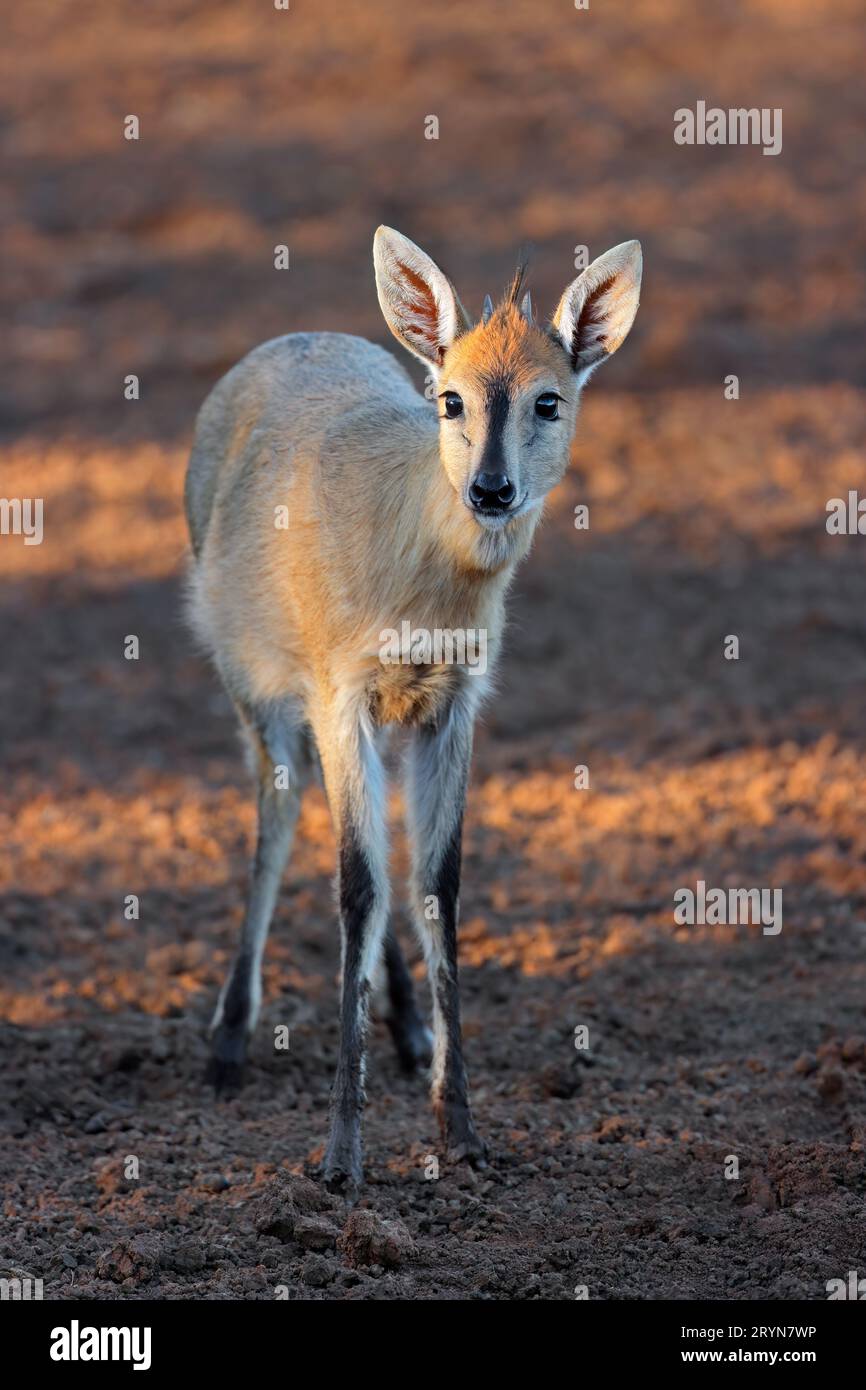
{"x": 493, "y": 519}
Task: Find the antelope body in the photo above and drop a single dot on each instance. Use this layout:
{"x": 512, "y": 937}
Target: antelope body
{"x": 329, "y": 503}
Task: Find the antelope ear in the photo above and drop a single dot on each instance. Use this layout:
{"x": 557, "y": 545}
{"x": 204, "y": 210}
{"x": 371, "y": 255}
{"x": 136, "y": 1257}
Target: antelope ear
{"x": 419, "y": 303}
{"x": 597, "y": 310}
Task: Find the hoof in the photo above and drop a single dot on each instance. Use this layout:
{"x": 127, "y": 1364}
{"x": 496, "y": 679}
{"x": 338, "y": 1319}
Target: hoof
{"x": 462, "y": 1143}
{"x": 413, "y": 1043}
{"x": 342, "y": 1171}
{"x": 472, "y": 1151}
{"x": 225, "y": 1069}
{"x": 341, "y": 1182}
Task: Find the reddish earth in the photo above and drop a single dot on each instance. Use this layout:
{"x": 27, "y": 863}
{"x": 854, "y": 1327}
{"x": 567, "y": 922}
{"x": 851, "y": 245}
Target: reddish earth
{"x": 707, "y": 519}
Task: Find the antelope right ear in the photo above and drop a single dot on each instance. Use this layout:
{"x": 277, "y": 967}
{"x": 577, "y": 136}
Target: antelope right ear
{"x": 597, "y": 310}
{"x": 418, "y": 302}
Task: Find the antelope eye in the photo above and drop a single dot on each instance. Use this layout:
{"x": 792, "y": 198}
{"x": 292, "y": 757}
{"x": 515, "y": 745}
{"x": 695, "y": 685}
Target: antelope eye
{"x": 547, "y": 406}
{"x": 453, "y": 405}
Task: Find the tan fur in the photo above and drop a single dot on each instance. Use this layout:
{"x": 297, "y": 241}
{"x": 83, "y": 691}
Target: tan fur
{"x": 511, "y": 347}
{"x": 374, "y": 537}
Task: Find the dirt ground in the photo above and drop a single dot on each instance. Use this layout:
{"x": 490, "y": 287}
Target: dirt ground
{"x": 707, "y": 518}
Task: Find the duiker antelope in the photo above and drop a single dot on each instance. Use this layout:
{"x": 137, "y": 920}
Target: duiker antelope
{"x": 396, "y": 513}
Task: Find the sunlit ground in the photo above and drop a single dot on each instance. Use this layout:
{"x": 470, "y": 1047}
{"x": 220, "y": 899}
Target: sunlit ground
{"x": 743, "y": 774}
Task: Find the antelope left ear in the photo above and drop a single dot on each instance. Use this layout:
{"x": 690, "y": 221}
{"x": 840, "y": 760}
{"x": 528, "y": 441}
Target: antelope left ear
{"x": 597, "y": 310}
{"x": 419, "y": 303}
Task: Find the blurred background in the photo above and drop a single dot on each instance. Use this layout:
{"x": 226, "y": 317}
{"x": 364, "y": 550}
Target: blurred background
{"x": 155, "y": 257}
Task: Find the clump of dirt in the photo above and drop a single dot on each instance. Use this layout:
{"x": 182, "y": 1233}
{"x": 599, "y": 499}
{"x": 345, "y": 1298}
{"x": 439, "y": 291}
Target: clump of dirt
{"x": 368, "y": 1240}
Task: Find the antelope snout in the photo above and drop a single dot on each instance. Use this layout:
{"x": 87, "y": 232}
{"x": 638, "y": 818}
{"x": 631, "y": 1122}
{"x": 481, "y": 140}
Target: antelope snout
{"x": 491, "y": 492}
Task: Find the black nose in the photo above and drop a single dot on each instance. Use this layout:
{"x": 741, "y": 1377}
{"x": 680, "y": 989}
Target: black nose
{"x": 490, "y": 492}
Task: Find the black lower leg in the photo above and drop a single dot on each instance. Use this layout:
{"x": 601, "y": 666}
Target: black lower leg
{"x": 342, "y": 1169}
{"x": 450, "y": 1088}
{"x": 412, "y": 1038}
{"x": 229, "y": 1045}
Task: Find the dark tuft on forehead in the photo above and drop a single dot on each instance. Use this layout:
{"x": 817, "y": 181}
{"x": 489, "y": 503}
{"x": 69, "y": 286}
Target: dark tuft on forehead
{"x": 515, "y": 289}
{"x": 506, "y": 348}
